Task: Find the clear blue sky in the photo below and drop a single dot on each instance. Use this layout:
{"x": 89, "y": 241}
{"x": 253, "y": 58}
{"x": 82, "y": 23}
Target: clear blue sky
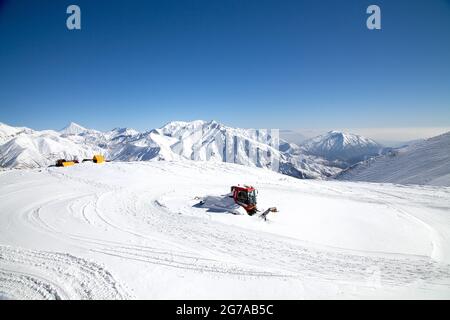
{"x": 248, "y": 63}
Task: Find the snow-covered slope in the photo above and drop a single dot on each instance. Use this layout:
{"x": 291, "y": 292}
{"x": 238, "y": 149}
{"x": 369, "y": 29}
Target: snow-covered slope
{"x": 346, "y": 147}
{"x": 427, "y": 162}
{"x": 134, "y": 230}
{"x": 7, "y": 132}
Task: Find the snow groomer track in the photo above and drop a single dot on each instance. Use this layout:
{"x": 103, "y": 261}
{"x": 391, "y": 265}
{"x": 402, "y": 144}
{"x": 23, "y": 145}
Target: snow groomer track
{"x": 133, "y": 230}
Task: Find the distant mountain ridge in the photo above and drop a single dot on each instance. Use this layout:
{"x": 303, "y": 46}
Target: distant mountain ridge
{"x": 346, "y": 147}
{"x": 177, "y": 140}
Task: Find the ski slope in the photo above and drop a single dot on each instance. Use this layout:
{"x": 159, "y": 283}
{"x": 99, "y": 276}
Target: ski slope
{"x": 133, "y": 230}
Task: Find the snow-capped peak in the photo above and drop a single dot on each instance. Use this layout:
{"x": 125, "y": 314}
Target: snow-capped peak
{"x": 337, "y": 140}
{"x": 73, "y": 128}
{"x": 345, "y": 139}
{"x": 337, "y": 145}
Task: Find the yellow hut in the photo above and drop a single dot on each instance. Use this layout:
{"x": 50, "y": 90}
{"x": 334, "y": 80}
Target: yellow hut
{"x": 64, "y": 163}
{"x": 98, "y": 158}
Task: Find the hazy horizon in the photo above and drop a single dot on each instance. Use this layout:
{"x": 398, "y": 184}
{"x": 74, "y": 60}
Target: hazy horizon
{"x": 390, "y": 137}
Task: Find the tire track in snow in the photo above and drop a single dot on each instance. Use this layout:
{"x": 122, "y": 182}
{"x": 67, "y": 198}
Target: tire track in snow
{"x": 145, "y": 254}
{"x": 17, "y": 285}
{"x": 297, "y": 260}
{"x": 294, "y": 257}
{"x": 278, "y": 257}
{"x": 205, "y": 246}
{"x": 271, "y": 257}
{"x": 72, "y": 277}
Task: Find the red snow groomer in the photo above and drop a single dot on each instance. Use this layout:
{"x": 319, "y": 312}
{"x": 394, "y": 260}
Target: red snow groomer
{"x": 246, "y": 197}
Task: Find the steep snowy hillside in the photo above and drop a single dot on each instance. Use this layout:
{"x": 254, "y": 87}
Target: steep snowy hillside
{"x": 346, "y": 147}
{"x": 427, "y": 162}
{"x": 212, "y": 141}
{"x": 202, "y": 140}
{"x": 135, "y": 230}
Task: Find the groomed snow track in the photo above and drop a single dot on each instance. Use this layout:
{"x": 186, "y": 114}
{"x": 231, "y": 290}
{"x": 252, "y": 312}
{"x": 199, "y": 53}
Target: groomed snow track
{"x": 28, "y": 274}
{"x": 131, "y": 230}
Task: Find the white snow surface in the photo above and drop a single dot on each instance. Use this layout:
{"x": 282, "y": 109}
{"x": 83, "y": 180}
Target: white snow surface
{"x": 8, "y": 132}
{"x": 134, "y": 230}
{"x": 426, "y": 162}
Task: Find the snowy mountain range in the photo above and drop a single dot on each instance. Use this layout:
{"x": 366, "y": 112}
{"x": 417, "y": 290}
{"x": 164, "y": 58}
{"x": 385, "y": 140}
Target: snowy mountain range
{"x": 178, "y": 140}
{"x": 320, "y": 157}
